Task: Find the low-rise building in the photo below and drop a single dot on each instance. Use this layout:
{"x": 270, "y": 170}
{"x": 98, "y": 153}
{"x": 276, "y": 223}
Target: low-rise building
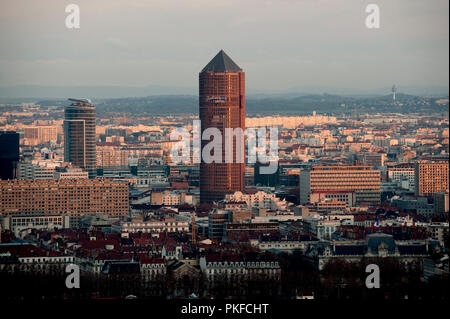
{"x": 20, "y": 224}
{"x": 153, "y": 225}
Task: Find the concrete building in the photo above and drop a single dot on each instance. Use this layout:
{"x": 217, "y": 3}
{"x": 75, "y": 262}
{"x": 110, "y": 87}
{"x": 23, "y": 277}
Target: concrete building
{"x": 361, "y": 179}
{"x": 346, "y": 197}
{"x": 19, "y": 224}
{"x": 401, "y": 173}
{"x": 320, "y": 227}
{"x": 169, "y": 198}
{"x": 418, "y": 205}
{"x": 71, "y": 173}
{"x": 439, "y": 232}
{"x": 49, "y": 169}
{"x": 35, "y": 135}
{"x": 249, "y": 228}
{"x": 431, "y": 177}
{"x": 75, "y": 198}
{"x": 374, "y": 159}
{"x": 37, "y": 169}
{"x": 157, "y": 226}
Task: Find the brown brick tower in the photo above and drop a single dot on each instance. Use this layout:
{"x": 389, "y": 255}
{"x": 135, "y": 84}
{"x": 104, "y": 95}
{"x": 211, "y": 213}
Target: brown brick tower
{"x": 222, "y": 105}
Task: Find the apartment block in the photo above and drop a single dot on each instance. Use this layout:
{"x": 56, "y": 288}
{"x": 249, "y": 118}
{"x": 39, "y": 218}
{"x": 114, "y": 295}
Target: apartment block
{"x": 362, "y": 179}
{"x": 431, "y": 177}
{"x": 76, "y": 198}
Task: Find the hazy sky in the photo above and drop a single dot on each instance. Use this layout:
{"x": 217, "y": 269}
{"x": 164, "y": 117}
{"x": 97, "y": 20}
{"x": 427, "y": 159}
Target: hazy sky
{"x": 279, "y": 44}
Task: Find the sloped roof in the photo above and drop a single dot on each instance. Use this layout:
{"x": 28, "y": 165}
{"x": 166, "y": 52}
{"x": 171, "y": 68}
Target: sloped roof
{"x": 221, "y": 63}
{"x": 350, "y": 250}
{"x": 412, "y": 249}
{"x": 376, "y": 239}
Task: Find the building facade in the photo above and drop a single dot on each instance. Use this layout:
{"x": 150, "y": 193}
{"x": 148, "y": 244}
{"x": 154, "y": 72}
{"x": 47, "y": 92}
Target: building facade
{"x": 362, "y": 179}
{"x": 431, "y": 177}
{"x": 217, "y": 221}
{"x": 79, "y": 135}
{"x": 35, "y": 135}
{"x": 257, "y": 200}
{"x": 401, "y": 173}
{"x": 19, "y": 224}
{"x": 156, "y": 226}
{"x": 75, "y": 198}
{"x": 222, "y": 105}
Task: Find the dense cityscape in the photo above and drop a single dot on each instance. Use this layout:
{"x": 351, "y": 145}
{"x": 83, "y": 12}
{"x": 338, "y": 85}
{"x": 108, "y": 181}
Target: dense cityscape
{"x": 218, "y": 159}
{"x": 104, "y": 193}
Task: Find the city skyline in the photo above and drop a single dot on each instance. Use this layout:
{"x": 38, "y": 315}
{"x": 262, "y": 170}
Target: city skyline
{"x": 328, "y": 179}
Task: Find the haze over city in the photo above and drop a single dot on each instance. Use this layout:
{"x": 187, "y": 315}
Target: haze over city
{"x": 140, "y": 48}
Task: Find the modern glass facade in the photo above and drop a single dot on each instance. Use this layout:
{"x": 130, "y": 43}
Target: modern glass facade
{"x": 9, "y": 154}
{"x": 79, "y": 136}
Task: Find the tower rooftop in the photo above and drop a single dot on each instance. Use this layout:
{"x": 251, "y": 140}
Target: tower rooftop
{"x": 221, "y": 63}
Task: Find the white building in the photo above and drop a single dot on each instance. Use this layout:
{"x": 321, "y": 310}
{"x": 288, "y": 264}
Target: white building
{"x": 151, "y": 269}
{"x": 32, "y": 259}
{"x": 400, "y": 174}
{"x": 321, "y": 227}
{"x": 48, "y": 169}
{"x": 287, "y": 246}
{"x": 72, "y": 173}
{"x": 20, "y": 223}
{"x": 152, "y": 226}
{"x": 42, "y": 169}
{"x": 236, "y": 267}
{"x": 258, "y": 200}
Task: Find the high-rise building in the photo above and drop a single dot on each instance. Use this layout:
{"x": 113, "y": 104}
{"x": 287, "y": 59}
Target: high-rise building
{"x": 79, "y": 135}
{"x": 9, "y": 154}
{"x": 222, "y": 105}
{"x": 74, "y": 197}
{"x": 431, "y": 177}
{"x": 362, "y": 179}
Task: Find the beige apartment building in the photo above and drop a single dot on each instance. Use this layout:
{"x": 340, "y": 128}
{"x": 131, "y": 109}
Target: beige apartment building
{"x": 76, "y": 198}
{"x": 431, "y": 177}
{"x": 117, "y": 155}
{"x": 361, "y": 179}
{"x": 35, "y": 135}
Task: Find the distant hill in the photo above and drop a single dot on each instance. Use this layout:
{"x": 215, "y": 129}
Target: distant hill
{"x": 306, "y": 104}
{"x": 57, "y": 92}
{"x": 298, "y": 105}
{"x": 117, "y": 91}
